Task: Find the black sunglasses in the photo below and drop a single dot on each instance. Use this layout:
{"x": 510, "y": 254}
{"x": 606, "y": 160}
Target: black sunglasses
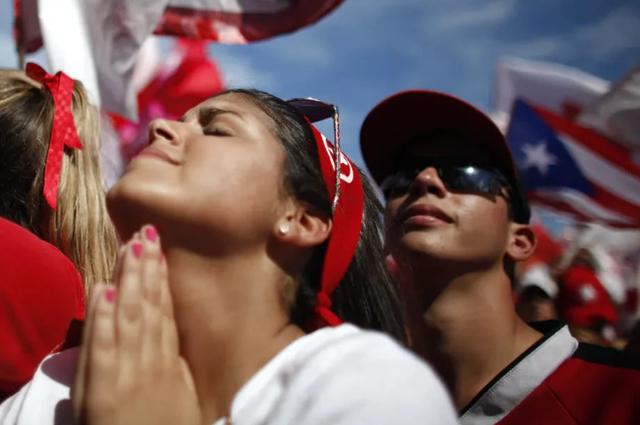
{"x": 467, "y": 178}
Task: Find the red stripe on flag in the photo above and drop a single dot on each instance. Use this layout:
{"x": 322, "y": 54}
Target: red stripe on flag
{"x": 538, "y": 198}
{"x": 592, "y": 140}
{"x": 26, "y": 29}
{"x": 566, "y": 207}
{"x": 612, "y": 202}
{"x": 560, "y": 206}
{"x": 195, "y": 23}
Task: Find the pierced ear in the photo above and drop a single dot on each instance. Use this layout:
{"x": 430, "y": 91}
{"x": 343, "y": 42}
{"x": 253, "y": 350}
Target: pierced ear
{"x": 304, "y": 226}
{"x": 522, "y": 242}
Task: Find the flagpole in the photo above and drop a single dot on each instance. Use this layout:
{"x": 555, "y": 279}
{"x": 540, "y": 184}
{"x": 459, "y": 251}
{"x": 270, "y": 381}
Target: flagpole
{"x": 21, "y": 55}
{"x": 18, "y": 32}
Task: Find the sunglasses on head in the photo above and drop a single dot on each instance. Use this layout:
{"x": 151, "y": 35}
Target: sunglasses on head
{"x": 462, "y": 177}
{"x": 316, "y": 110}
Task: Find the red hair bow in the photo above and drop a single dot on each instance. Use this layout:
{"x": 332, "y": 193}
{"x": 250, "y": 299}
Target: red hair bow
{"x": 63, "y": 128}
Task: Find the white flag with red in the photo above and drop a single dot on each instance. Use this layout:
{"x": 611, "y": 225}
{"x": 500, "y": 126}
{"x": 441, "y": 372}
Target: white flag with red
{"x": 97, "y": 41}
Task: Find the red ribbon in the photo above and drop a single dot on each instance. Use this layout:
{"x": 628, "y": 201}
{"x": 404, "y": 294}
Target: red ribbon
{"x": 347, "y": 223}
{"x": 63, "y": 128}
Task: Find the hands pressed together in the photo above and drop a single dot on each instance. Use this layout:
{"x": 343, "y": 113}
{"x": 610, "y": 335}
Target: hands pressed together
{"x": 130, "y": 369}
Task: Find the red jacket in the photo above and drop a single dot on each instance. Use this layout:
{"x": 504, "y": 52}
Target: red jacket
{"x": 41, "y": 294}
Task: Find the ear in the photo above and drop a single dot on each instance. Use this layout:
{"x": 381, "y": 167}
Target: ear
{"x": 303, "y": 225}
{"x": 522, "y": 242}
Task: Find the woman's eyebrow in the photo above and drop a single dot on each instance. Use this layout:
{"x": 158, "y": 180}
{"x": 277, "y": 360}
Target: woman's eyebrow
{"x": 207, "y": 114}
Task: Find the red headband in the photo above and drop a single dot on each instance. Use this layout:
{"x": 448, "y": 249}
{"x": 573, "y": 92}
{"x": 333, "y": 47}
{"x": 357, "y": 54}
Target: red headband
{"x": 63, "y": 128}
{"x": 344, "y": 187}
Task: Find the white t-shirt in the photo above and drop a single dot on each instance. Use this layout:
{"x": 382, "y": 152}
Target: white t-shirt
{"x": 342, "y": 375}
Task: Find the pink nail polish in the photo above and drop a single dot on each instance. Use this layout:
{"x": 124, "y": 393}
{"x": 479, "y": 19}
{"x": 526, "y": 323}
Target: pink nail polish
{"x": 151, "y": 233}
{"x": 136, "y": 248}
{"x": 110, "y": 294}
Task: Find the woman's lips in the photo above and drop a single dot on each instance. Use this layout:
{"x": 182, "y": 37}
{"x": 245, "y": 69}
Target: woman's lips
{"x": 158, "y": 154}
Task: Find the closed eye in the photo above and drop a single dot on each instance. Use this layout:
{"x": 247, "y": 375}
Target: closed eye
{"x": 216, "y": 131}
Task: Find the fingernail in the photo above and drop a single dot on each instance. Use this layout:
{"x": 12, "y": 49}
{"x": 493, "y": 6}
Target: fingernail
{"x": 136, "y": 248}
{"x": 110, "y": 294}
{"x": 151, "y": 233}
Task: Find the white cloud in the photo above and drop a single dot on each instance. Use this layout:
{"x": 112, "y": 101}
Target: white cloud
{"x": 238, "y": 70}
{"x": 473, "y": 15}
{"x": 540, "y": 47}
{"x": 615, "y": 34}
{"x": 618, "y": 31}
{"x": 305, "y": 47}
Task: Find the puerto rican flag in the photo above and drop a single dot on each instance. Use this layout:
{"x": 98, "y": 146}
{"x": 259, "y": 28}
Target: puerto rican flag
{"x": 573, "y": 169}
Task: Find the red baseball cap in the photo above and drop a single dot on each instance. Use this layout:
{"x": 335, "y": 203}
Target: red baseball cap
{"x": 400, "y": 119}
{"x": 41, "y": 295}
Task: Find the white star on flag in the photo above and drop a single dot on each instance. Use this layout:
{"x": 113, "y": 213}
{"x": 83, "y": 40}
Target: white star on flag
{"x": 538, "y": 156}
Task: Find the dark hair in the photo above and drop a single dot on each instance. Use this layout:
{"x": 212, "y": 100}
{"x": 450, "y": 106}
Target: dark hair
{"x": 366, "y": 294}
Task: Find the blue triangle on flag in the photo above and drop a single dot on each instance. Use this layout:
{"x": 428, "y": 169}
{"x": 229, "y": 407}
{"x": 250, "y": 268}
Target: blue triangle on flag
{"x": 541, "y": 157}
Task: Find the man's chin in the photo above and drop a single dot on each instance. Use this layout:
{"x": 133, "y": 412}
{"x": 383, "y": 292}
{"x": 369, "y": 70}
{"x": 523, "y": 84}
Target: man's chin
{"x": 418, "y": 242}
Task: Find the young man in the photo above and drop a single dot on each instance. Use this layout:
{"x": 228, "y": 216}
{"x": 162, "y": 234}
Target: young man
{"x": 457, "y": 223}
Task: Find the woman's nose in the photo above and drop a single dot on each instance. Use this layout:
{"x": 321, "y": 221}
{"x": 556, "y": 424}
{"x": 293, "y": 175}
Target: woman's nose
{"x": 162, "y": 129}
{"x": 428, "y": 181}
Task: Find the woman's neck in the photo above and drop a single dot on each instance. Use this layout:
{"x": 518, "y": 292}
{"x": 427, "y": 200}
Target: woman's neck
{"x": 469, "y": 330}
{"x": 231, "y": 321}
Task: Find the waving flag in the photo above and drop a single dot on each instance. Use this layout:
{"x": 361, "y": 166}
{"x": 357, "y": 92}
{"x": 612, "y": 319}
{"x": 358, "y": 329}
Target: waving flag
{"x": 573, "y": 169}
{"x": 559, "y": 88}
{"x": 97, "y": 41}
{"x": 216, "y": 20}
{"x": 240, "y": 22}
{"x": 617, "y": 113}
{"x": 26, "y": 29}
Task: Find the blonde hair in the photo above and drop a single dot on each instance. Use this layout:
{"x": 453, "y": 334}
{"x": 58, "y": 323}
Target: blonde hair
{"x": 80, "y": 226}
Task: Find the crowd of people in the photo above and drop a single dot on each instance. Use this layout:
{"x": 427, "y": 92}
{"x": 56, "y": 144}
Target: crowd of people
{"x": 259, "y": 279}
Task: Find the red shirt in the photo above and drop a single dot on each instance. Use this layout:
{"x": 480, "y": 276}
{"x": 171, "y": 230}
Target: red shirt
{"x": 41, "y": 294}
{"x": 558, "y": 381}
{"x": 596, "y": 385}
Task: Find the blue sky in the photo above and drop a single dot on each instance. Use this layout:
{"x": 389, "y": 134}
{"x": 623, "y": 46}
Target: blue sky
{"x": 368, "y": 49}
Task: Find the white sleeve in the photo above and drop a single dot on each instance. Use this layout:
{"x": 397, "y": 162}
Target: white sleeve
{"x": 365, "y": 379}
{"x": 45, "y": 399}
